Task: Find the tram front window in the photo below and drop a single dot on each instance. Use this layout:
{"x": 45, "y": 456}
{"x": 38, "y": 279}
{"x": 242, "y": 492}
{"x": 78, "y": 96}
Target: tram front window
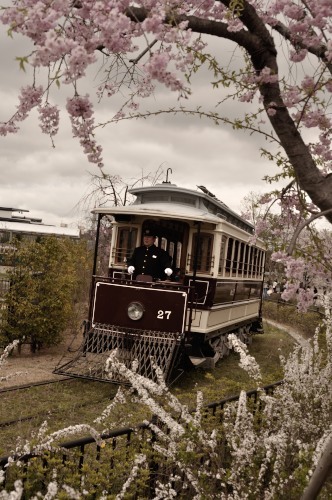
{"x": 203, "y": 247}
{"x": 126, "y": 242}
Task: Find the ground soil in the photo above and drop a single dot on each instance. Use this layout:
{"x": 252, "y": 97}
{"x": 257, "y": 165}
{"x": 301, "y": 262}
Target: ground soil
{"x": 26, "y": 367}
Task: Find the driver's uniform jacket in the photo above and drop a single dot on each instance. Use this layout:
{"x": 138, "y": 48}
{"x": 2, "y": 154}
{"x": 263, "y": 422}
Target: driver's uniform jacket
{"x": 150, "y": 260}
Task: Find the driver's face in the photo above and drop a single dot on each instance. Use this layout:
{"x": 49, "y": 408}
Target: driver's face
{"x": 148, "y": 240}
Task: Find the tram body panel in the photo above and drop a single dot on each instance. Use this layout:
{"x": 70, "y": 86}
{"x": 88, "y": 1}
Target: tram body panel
{"x": 162, "y": 310}
{"x": 206, "y": 321}
{"x": 231, "y": 314}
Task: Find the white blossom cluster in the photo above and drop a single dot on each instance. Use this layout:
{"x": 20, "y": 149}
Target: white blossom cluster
{"x": 273, "y": 445}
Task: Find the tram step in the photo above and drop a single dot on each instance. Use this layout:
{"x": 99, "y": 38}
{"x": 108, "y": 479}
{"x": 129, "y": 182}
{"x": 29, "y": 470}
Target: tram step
{"x": 197, "y": 361}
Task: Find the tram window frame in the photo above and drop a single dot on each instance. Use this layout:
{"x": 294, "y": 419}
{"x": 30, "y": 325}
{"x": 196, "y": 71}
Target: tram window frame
{"x": 163, "y": 243}
{"x": 254, "y": 263}
{"x": 235, "y": 259}
{"x": 225, "y": 292}
{"x": 249, "y": 268}
{"x": 255, "y": 290}
{"x": 205, "y": 261}
{"x": 245, "y": 260}
{"x": 241, "y": 259}
{"x": 171, "y": 249}
{"x": 242, "y": 292}
{"x": 258, "y": 262}
{"x": 178, "y": 254}
{"x": 262, "y": 264}
{"x": 229, "y": 256}
{"x": 129, "y": 242}
{"x": 222, "y": 258}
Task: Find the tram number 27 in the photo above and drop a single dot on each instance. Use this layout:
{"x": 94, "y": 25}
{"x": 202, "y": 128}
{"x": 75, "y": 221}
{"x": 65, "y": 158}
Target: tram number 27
{"x": 163, "y": 314}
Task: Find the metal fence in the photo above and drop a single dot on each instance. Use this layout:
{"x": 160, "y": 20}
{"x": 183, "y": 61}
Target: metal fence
{"x": 111, "y": 461}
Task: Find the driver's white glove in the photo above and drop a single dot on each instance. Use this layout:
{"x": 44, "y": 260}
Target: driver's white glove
{"x": 168, "y": 271}
{"x": 131, "y": 269}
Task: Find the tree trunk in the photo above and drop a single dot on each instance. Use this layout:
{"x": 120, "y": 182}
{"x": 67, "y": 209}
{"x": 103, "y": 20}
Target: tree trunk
{"x": 260, "y": 46}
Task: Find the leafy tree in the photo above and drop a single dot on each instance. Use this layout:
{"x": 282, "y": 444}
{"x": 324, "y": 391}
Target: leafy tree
{"x": 283, "y": 228}
{"x": 295, "y": 249}
{"x": 47, "y": 284}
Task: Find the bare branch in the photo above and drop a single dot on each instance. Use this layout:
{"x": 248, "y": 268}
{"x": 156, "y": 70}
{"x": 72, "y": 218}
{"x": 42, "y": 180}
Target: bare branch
{"x": 302, "y": 226}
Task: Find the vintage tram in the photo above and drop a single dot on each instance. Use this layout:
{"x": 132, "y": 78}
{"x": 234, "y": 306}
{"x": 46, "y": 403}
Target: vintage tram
{"x": 184, "y": 321}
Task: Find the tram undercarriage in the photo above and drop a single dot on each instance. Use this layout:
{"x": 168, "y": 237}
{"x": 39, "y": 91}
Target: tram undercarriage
{"x": 131, "y": 347}
{"x": 169, "y": 351}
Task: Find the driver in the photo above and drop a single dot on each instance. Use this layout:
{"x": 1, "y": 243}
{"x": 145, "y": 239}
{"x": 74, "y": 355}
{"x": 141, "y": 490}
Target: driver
{"x": 149, "y": 259}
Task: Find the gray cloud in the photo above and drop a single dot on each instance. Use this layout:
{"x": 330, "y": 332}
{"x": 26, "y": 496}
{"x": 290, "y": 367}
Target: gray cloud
{"x": 50, "y": 182}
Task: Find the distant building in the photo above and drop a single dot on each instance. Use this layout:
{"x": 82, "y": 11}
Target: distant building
{"x": 15, "y": 225}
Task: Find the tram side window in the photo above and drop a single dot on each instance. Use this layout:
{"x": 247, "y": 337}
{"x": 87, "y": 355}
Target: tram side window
{"x": 258, "y": 259}
{"x": 261, "y": 263}
{"x": 251, "y": 262}
{"x": 221, "y": 267}
{"x": 229, "y": 257}
{"x": 204, "y": 254}
{"x": 246, "y": 260}
{"x": 241, "y": 259}
{"x": 125, "y": 245}
{"x": 178, "y": 254}
{"x": 255, "y": 290}
{"x": 235, "y": 258}
{"x": 254, "y": 263}
{"x": 171, "y": 249}
{"x": 163, "y": 244}
{"x": 242, "y": 291}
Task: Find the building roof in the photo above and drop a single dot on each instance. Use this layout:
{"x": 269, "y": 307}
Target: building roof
{"x": 41, "y": 229}
{"x": 31, "y": 225}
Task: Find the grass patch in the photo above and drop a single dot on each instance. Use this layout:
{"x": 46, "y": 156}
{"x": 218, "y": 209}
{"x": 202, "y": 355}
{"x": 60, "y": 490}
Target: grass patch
{"x": 287, "y": 314}
{"x": 61, "y": 404}
{"x": 81, "y": 401}
{"x": 228, "y": 379}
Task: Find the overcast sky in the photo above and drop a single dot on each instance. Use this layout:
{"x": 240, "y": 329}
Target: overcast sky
{"x": 51, "y": 182}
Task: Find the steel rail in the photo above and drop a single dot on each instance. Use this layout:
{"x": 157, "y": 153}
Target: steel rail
{"x": 34, "y": 384}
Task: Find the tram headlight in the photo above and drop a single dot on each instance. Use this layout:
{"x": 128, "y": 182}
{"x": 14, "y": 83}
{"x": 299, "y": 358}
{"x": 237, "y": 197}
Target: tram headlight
{"x": 135, "y": 310}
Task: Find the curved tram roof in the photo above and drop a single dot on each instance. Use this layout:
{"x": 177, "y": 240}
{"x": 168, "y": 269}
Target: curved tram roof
{"x": 167, "y": 200}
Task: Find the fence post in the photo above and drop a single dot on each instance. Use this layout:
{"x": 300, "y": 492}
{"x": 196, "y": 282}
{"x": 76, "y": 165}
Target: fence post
{"x": 321, "y": 473}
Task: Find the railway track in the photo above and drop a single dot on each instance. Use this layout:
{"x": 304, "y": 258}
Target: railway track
{"x": 34, "y": 384}
{"x": 24, "y": 387}
{"x": 53, "y": 413}
{"x": 61, "y": 402}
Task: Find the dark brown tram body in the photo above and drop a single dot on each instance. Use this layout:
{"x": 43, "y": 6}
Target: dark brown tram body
{"x": 215, "y": 288}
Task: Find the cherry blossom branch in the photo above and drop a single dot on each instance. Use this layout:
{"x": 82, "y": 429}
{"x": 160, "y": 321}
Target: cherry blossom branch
{"x": 318, "y": 51}
{"x": 235, "y": 123}
{"x": 300, "y": 228}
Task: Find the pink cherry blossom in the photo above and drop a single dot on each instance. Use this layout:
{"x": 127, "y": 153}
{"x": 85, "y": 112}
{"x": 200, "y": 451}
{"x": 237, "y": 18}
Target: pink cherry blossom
{"x": 49, "y": 119}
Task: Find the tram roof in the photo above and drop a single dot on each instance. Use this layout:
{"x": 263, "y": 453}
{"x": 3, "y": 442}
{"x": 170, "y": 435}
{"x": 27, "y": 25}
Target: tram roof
{"x": 164, "y": 210}
{"x": 166, "y": 200}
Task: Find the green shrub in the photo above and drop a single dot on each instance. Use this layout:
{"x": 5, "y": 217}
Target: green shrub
{"x": 287, "y": 314}
{"x": 45, "y": 287}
